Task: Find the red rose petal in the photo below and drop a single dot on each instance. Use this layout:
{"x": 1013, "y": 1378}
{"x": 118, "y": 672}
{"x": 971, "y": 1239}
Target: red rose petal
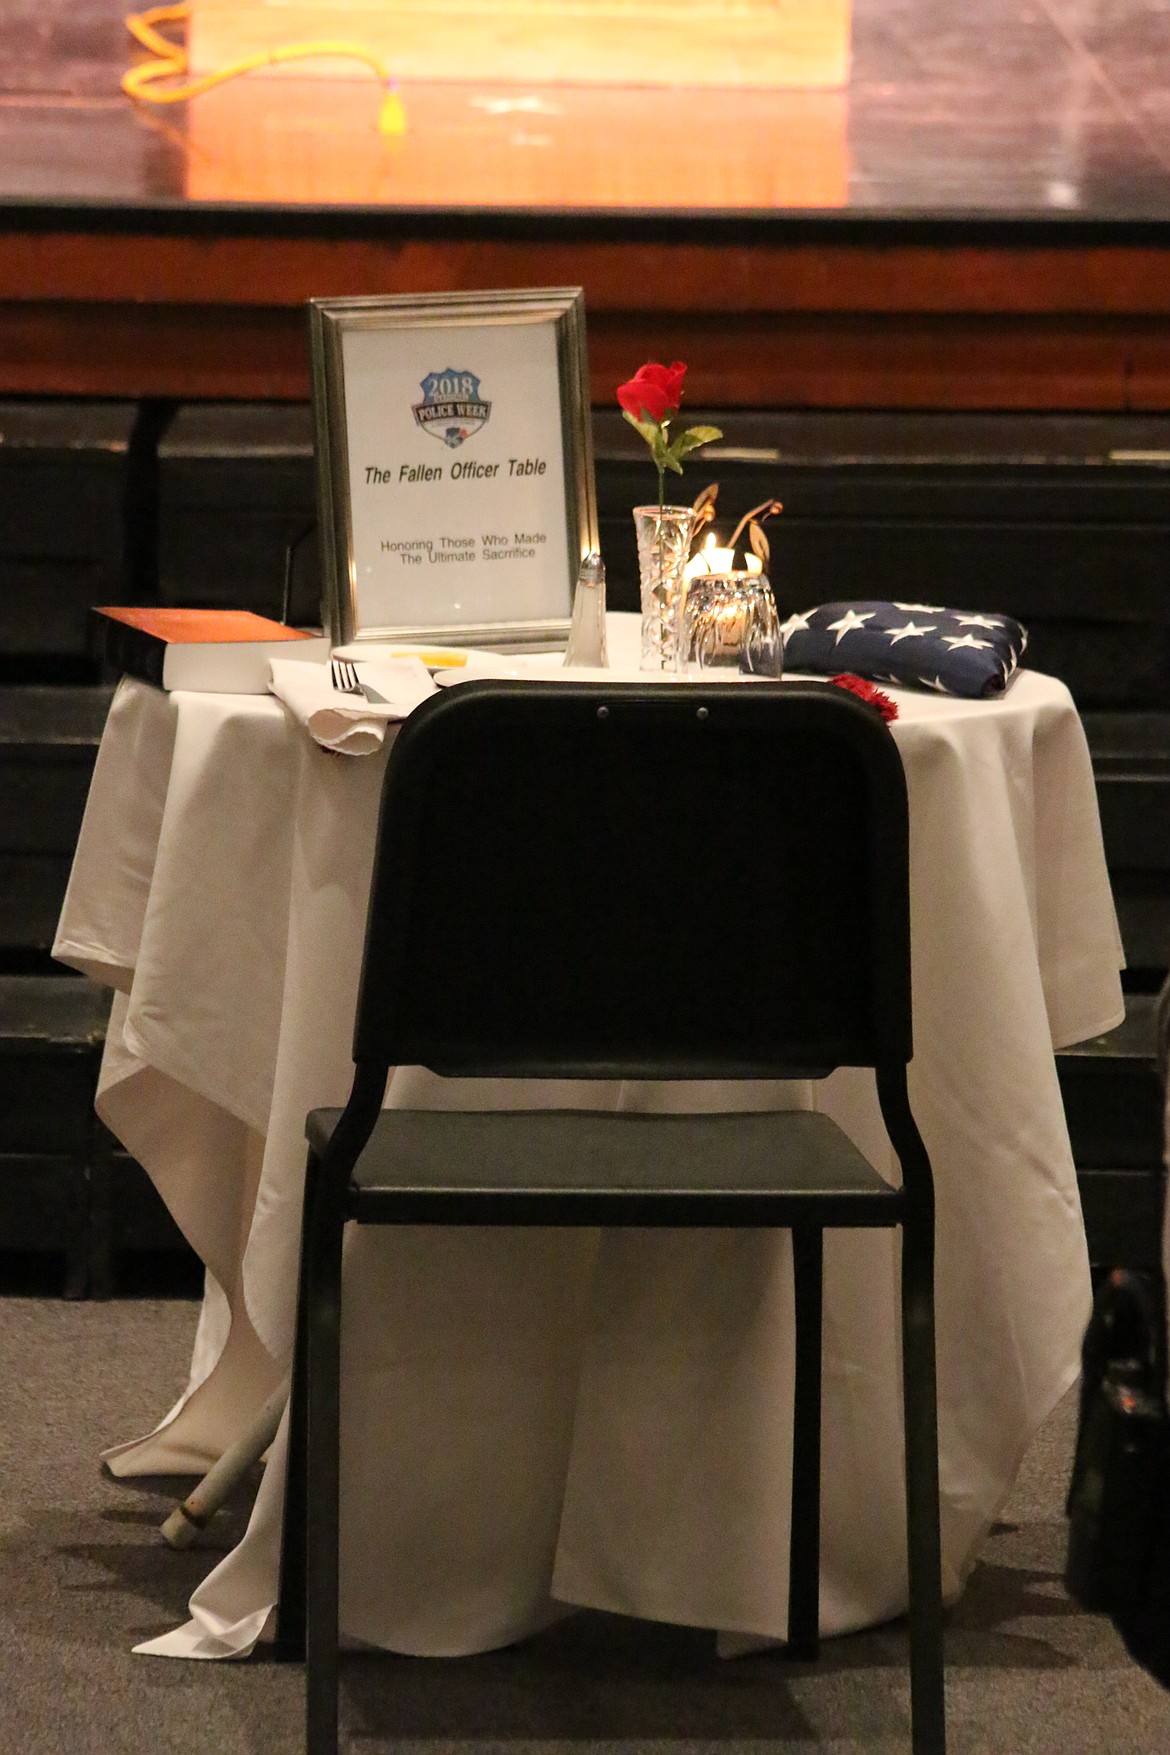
{"x": 654, "y": 391}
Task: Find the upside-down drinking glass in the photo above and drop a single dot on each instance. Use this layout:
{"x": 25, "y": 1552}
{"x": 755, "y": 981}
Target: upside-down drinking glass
{"x": 730, "y": 624}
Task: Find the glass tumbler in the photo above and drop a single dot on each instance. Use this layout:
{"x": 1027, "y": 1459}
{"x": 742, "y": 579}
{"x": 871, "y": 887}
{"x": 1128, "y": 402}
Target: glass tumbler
{"x": 729, "y": 623}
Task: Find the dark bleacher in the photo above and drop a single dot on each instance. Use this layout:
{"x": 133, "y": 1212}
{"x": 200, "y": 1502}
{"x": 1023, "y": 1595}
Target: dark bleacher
{"x": 64, "y": 486}
{"x": 237, "y": 524}
{"x": 1063, "y": 521}
{"x": 48, "y": 740}
{"x": 77, "y": 527}
{"x": 1113, "y": 1100}
{"x": 1131, "y": 760}
{"x": 51, "y": 1034}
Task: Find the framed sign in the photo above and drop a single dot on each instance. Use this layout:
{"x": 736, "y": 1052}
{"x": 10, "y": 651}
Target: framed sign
{"x": 455, "y": 483}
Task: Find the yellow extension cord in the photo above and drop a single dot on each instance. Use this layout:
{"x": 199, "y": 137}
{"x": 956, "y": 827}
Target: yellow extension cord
{"x": 171, "y": 64}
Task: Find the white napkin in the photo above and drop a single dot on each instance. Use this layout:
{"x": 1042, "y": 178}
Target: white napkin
{"x": 347, "y": 723}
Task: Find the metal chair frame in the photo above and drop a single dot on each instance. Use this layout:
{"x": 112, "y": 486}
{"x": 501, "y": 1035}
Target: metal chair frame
{"x": 740, "y": 796}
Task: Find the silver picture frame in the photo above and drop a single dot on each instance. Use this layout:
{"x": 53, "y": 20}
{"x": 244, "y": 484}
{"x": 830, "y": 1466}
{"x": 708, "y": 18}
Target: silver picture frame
{"x": 383, "y": 531}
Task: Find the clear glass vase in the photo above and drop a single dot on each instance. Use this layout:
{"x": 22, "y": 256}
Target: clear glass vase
{"x": 664, "y": 543}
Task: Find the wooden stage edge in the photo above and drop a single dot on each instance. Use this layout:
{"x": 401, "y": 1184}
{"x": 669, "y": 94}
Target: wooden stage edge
{"x": 835, "y": 313}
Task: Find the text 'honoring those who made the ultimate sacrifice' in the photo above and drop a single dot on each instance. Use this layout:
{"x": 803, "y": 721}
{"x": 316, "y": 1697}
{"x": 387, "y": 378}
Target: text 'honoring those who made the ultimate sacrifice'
{"x": 459, "y": 514}
{"x": 440, "y": 549}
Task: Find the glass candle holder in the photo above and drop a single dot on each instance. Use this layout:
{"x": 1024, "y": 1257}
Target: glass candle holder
{"x": 729, "y": 623}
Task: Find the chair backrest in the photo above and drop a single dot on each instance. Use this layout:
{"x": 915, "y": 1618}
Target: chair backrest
{"x": 657, "y": 881}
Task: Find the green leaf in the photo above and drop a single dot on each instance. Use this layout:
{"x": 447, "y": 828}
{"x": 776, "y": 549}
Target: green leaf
{"x": 672, "y": 462}
{"x": 649, "y": 429}
{"x": 693, "y": 438}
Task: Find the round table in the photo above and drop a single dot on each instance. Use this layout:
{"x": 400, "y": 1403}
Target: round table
{"x": 541, "y": 1419}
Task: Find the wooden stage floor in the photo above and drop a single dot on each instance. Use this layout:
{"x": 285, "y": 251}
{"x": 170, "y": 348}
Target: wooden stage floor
{"x": 978, "y": 220}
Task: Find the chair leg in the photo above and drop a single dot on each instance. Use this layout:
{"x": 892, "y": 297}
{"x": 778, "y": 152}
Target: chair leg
{"x": 290, "y": 1602}
{"x": 322, "y": 1522}
{"x": 924, "y": 1553}
{"x": 804, "y": 1554}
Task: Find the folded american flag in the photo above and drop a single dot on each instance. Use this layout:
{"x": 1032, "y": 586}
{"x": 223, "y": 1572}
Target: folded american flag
{"x": 956, "y": 651}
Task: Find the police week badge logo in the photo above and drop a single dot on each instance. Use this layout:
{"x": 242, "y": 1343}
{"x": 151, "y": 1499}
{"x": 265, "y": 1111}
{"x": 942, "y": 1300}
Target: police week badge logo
{"x": 452, "y": 408}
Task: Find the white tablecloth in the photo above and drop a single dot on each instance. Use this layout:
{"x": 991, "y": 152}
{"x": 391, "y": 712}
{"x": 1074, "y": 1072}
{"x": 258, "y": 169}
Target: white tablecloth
{"x": 538, "y": 1419}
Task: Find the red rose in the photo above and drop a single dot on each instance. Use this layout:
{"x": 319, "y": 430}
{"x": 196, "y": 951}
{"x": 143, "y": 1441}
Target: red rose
{"x": 653, "y": 392}
{"x": 865, "y": 691}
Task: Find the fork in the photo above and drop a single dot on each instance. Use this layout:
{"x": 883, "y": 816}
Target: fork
{"x": 344, "y": 676}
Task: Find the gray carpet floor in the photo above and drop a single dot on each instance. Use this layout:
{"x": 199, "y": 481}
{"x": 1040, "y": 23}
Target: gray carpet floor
{"x": 84, "y": 1574}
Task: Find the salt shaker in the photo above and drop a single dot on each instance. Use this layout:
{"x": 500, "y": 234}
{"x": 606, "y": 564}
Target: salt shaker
{"x": 587, "y": 630}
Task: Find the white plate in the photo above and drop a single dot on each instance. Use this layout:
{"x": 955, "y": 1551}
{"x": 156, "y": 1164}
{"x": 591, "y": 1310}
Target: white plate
{"x": 551, "y": 666}
{"x": 504, "y": 666}
{"x": 377, "y": 651}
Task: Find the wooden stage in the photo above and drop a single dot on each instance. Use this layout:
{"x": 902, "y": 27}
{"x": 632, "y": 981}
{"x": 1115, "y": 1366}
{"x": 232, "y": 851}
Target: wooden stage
{"x": 978, "y": 220}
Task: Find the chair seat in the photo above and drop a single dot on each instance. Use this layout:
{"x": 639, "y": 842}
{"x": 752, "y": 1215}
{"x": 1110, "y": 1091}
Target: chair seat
{"x": 579, "y": 1166}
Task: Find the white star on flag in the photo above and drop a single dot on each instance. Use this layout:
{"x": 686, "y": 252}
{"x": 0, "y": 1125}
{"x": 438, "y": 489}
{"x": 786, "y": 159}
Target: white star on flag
{"x": 936, "y": 684}
{"x": 979, "y": 621}
{"x": 848, "y": 622}
{"x": 921, "y": 608}
{"x": 909, "y": 631}
{"x": 797, "y": 624}
{"x": 953, "y": 641}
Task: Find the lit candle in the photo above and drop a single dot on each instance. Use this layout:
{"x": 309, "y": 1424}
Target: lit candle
{"x": 710, "y": 560}
{"x": 698, "y": 561}
{"x": 753, "y": 563}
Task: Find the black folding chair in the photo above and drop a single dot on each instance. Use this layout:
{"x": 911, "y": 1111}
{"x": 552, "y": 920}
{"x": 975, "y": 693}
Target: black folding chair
{"x": 658, "y": 882}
